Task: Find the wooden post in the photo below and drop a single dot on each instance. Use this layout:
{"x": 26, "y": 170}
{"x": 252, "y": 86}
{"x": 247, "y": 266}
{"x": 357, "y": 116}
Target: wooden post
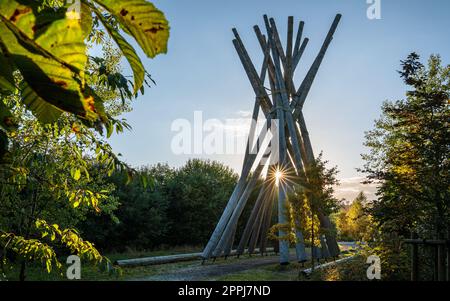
{"x": 414, "y": 259}
{"x": 441, "y": 261}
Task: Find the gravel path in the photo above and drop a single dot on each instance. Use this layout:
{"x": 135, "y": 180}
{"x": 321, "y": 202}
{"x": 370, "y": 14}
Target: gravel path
{"x": 210, "y": 270}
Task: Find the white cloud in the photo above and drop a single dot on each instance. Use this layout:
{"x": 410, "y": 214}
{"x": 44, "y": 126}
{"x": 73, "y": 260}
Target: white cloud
{"x": 349, "y": 188}
{"x": 244, "y": 114}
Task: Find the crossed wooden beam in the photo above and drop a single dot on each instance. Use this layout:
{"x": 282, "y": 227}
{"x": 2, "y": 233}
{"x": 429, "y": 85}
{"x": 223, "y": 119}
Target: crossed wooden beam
{"x": 284, "y": 103}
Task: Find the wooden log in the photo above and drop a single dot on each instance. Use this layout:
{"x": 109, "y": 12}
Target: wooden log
{"x": 274, "y": 36}
{"x": 284, "y": 100}
{"x": 267, "y": 220}
{"x": 270, "y": 68}
{"x": 299, "y": 54}
{"x": 229, "y": 245}
{"x": 251, "y": 135}
{"x": 288, "y": 71}
{"x": 158, "y": 260}
{"x": 298, "y": 38}
{"x": 272, "y": 33}
{"x": 250, "y": 222}
{"x": 283, "y": 243}
{"x": 169, "y": 259}
{"x": 310, "y": 270}
{"x": 249, "y": 68}
{"x": 215, "y": 237}
{"x": 238, "y": 210}
{"x": 305, "y": 87}
{"x": 256, "y": 230}
{"x": 238, "y": 190}
{"x": 258, "y": 227}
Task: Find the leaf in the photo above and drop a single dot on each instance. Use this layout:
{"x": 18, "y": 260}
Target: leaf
{"x": 6, "y": 73}
{"x": 47, "y": 54}
{"x": 44, "y": 111}
{"x": 77, "y": 175}
{"x": 128, "y": 51}
{"x": 48, "y": 265}
{"x": 143, "y": 21}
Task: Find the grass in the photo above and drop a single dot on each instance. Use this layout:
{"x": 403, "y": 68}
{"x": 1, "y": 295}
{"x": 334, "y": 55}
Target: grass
{"x": 89, "y": 272}
{"x": 273, "y": 272}
{"x": 291, "y": 272}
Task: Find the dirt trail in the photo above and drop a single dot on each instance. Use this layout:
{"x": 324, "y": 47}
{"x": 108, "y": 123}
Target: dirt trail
{"x": 209, "y": 271}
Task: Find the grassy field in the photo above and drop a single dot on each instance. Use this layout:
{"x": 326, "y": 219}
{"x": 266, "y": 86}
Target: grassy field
{"x": 272, "y": 272}
{"x": 89, "y": 272}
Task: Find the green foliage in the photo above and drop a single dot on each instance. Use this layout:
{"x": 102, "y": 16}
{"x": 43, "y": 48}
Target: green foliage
{"x": 409, "y": 151}
{"x": 307, "y": 201}
{"x": 354, "y": 222}
{"x": 47, "y": 44}
{"x": 140, "y": 222}
{"x": 408, "y": 158}
{"x": 199, "y": 192}
{"x": 54, "y": 161}
{"x": 188, "y": 200}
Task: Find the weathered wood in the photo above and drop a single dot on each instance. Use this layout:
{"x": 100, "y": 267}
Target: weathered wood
{"x": 251, "y": 220}
{"x": 284, "y": 100}
{"x": 286, "y": 105}
{"x": 257, "y": 85}
{"x": 300, "y": 249}
{"x": 256, "y": 229}
{"x": 289, "y": 58}
{"x": 238, "y": 210}
{"x": 267, "y": 218}
{"x": 414, "y": 259}
{"x": 305, "y": 87}
{"x": 270, "y": 68}
{"x": 298, "y": 38}
{"x": 310, "y": 270}
{"x": 299, "y": 54}
{"x": 431, "y": 242}
{"x": 228, "y": 211}
{"x": 283, "y": 243}
{"x": 229, "y": 245}
{"x": 169, "y": 259}
{"x": 272, "y": 33}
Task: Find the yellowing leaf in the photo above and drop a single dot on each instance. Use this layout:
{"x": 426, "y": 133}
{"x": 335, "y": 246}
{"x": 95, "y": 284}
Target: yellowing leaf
{"x": 143, "y": 21}
{"x": 77, "y": 175}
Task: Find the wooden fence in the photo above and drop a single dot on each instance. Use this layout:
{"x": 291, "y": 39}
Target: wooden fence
{"x": 441, "y": 260}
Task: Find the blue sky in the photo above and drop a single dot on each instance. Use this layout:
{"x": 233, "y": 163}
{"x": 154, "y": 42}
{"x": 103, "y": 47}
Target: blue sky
{"x": 202, "y": 72}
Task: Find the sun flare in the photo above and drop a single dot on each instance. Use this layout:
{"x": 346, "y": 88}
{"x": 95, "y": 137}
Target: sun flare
{"x": 279, "y": 175}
